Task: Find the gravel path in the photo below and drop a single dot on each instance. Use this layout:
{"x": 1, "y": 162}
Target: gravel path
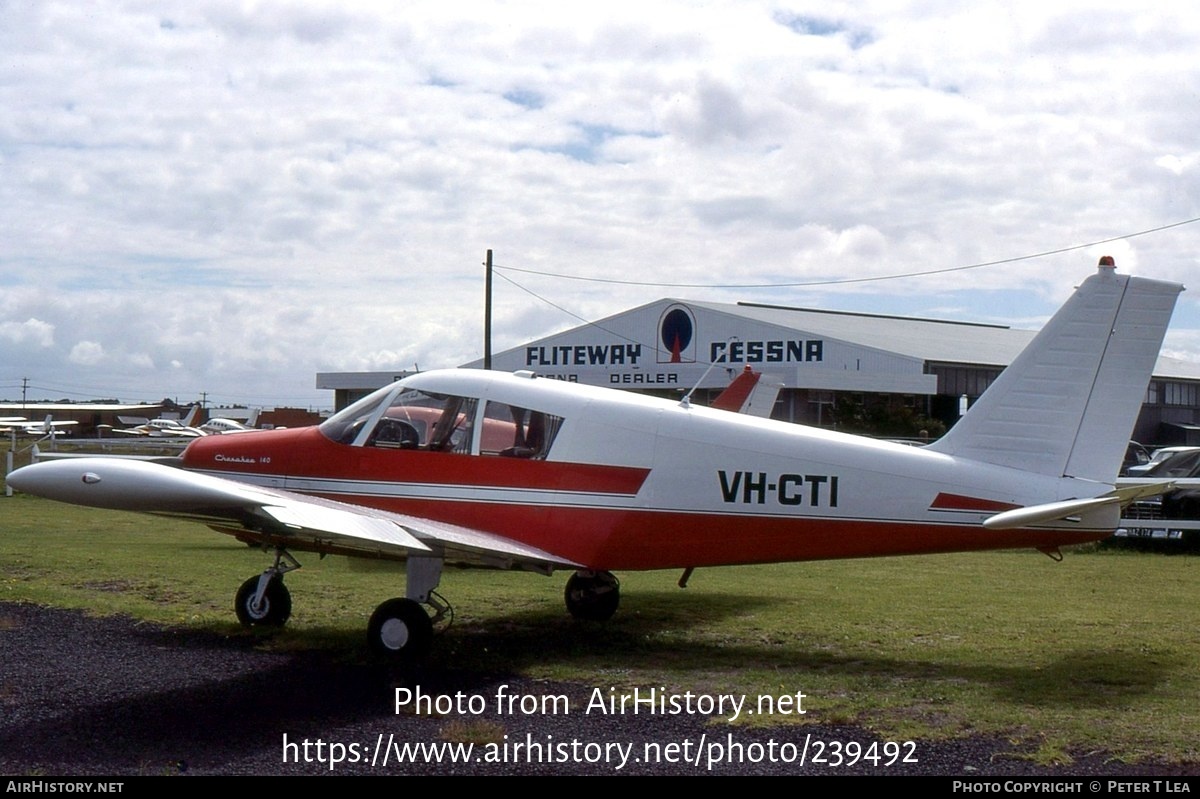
{"x": 85, "y": 696}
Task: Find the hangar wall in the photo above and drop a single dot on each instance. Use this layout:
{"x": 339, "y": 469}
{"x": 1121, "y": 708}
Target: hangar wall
{"x": 820, "y": 359}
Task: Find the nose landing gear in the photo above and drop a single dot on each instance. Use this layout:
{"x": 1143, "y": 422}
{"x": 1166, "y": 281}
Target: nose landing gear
{"x": 264, "y": 601}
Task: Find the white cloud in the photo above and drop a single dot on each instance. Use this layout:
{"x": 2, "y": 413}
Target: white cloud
{"x": 232, "y": 197}
{"x": 34, "y": 331}
{"x": 1178, "y": 164}
{"x": 86, "y": 353}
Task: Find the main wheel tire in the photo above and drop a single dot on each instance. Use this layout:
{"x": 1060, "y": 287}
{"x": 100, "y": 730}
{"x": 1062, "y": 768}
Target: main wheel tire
{"x": 593, "y": 596}
{"x": 400, "y": 628}
{"x": 276, "y": 607}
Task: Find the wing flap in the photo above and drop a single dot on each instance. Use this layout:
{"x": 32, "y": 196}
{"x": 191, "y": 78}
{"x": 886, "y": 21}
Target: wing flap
{"x": 303, "y": 517}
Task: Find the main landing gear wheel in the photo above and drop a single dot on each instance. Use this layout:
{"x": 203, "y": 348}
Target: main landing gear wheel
{"x": 272, "y": 611}
{"x": 400, "y": 627}
{"x": 593, "y": 596}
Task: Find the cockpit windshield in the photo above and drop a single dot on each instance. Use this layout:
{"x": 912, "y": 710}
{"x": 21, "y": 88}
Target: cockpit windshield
{"x": 400, "y": 418}
{"x": 405, "y": 419}
{"x": 345, "y": 425}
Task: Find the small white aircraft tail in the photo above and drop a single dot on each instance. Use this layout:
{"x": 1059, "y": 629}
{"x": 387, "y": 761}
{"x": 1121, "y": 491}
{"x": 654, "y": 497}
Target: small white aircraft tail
{"x": 1067, "y": 404}
{"x": 192, "y": 414}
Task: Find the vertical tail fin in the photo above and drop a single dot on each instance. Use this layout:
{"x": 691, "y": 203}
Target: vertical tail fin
{"x": 736, "y": 393}
{"x": 1067, "y": 404}
{"x": 748, "y": 394}
{"x": 192, "y": 414}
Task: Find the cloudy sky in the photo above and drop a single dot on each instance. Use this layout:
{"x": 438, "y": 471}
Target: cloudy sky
{"x": 228, "y": 197}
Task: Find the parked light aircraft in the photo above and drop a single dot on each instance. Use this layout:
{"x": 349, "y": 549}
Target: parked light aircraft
{"x": 162, "y": 427}
{"x": 23, "y": 426}
{"x": 517, "y": 472}
{"x": 221, "y": 425}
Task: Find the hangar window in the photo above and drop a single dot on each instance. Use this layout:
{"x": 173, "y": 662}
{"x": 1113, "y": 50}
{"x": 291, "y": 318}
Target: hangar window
{"x": 1179, "y": 394}
{"x": 955, "y": 381}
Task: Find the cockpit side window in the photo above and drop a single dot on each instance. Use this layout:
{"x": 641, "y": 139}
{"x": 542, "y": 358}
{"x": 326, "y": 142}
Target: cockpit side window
{"x": 514, "y": 432}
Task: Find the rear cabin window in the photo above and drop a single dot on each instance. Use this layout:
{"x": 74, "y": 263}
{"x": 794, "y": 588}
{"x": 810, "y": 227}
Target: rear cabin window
{"x": 510, "y": 431}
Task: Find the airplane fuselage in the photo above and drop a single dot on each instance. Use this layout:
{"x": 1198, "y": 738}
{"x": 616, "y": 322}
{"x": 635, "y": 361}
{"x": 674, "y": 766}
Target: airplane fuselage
{"x": 631, "y": 482}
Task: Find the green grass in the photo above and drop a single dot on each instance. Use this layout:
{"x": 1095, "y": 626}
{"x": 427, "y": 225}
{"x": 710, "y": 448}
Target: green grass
{"x": 1099, "y": 652}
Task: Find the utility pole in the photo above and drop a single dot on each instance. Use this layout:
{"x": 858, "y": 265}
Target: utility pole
{"x": 487, "y": 313}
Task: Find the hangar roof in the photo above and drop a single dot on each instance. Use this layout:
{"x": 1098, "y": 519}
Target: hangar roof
{"x": 931, "y": 340}
{"x": 925, "y": 339}
{"x": 83, "y": 407}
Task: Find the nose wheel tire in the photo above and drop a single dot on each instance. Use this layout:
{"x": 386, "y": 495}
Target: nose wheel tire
{"x": 400, "y": 628}
{"x": 274, "y": 609}
{"x": 592, "y": 596}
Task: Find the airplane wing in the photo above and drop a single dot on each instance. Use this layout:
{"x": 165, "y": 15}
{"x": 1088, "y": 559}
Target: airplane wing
{"x": 271, "y": 516}
{"x": 25, "y": 426}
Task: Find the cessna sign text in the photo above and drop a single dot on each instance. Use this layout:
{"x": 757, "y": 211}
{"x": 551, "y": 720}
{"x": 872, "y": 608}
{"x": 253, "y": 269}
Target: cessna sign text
{"x": 774, "y": 351}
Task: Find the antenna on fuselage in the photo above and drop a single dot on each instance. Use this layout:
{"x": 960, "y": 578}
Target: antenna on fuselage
{"x": 686, "y": 402}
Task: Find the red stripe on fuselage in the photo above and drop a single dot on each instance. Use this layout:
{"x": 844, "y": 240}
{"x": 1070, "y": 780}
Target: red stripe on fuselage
{"x": 306, "y": 453}
{"x": 633, "y": 539}
{"x": 944, "y": 501}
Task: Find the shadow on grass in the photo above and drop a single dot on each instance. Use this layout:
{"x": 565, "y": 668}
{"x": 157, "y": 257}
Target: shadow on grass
{"x": 668, "y": 636}
{"x": 186, "y": 699}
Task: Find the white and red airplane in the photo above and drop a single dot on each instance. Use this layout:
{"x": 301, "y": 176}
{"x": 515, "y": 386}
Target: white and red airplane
{"x": 516, "y": 472}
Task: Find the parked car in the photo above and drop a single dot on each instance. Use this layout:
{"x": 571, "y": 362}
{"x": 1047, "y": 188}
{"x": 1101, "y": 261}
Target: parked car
{"x": 1174, "y": 515}
{"x": 1156, "y": 457}
{"x": 1136, "y": 456}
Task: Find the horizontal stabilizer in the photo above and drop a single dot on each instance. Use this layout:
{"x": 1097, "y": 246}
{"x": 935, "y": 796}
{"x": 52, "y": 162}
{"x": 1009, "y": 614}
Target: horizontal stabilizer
{"x": 1056, "y": 511}
{"x": 1133, "y": 491}
{"x": 1050, "y": 512}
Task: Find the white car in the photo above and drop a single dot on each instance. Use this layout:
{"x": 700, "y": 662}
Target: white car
{"x": 1158, "y": 456}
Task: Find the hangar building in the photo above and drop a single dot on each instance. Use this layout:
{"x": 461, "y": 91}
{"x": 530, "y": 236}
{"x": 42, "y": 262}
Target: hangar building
{"x": 820, "y": 359}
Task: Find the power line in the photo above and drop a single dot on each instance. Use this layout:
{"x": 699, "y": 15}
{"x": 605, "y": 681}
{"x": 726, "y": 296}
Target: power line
{"x": 572, "y": 314}
{"x": 844, "y": 281}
